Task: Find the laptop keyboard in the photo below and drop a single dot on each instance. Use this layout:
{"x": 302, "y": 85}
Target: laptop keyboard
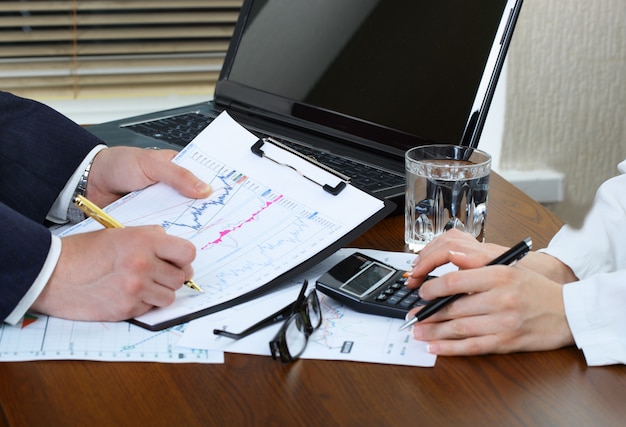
{"x": 178, "y": 130}
{"x": 363, "y": 175}
{"x": 181, "y": 129}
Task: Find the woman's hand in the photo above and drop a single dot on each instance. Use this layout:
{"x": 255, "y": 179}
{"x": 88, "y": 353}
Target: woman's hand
{"x": 505, "y": 308}
{"x": 438, "y": 253}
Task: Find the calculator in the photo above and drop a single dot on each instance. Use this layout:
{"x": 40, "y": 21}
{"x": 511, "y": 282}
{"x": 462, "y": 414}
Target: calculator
{"x": 369, "y": 286}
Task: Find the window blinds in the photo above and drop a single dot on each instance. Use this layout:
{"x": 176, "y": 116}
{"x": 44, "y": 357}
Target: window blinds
{"x": 89, "y": 48}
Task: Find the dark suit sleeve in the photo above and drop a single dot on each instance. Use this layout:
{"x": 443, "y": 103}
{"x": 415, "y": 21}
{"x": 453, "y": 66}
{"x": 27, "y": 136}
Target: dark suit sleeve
{"x": 39, "y": 151}
{"x": 22, "y": 255}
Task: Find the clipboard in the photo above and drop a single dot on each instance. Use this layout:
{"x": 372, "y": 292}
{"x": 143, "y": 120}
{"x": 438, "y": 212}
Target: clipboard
{"x": 334, "y": 190}
{"x": 278, "y": 281}
{"x": 273, "y": 214}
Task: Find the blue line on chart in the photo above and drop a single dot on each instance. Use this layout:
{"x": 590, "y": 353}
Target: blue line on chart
{"x": 197, "y": 211}
{"x": 299, "y": 226}
{"x": 152, "y": 337}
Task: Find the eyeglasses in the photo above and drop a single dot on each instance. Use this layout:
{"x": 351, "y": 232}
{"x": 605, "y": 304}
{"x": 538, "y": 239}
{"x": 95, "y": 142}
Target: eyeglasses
{"x": 302, "y": 317}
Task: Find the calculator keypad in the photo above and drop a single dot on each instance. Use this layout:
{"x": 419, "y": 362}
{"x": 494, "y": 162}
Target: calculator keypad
{"x": 398, "y": 295}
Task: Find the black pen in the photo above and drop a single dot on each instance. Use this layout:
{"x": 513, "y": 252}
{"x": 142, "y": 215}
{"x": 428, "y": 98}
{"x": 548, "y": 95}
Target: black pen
{"x": 511, "y": 256}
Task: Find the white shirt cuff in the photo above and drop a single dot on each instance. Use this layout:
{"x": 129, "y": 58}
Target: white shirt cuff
{"x": 39, "y": 284}
{"x": 58, "y": 212}
{"x": 595, "y": 314}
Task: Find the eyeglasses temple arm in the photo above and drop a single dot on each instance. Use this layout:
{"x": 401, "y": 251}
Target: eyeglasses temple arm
{"x": 282, "y": 314}
{"x": 300, "y": 300}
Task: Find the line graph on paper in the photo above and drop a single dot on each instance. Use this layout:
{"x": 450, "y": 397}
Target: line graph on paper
{"x": 245, "y": 233}
{"x": 341, "y": 324}
{"x": 43, "y": 338}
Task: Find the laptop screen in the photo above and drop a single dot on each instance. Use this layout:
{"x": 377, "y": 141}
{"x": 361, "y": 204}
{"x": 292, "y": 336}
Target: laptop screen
{"x": 397, "y": 72}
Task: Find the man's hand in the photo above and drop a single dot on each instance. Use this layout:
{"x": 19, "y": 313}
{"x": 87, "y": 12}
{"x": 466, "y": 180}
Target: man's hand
{"x": 119, "y": 170}
{"x": 116, "y": 274}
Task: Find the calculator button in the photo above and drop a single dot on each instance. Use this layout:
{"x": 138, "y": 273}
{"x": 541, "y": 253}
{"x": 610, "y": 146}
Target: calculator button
{"x": 381, "y": 297}
{"x": 407, "y": 303}
{"x": 394, "y": 299}
{"x": 409, "y": 300}
{"x": 403, "y": 292}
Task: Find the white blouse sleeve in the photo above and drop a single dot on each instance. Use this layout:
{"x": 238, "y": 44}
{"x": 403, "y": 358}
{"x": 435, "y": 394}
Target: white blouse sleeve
{"x": 595, "y": 306}
{"x": 596, "y": 313}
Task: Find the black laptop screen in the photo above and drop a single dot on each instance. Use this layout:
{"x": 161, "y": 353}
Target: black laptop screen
{"x": 405, "y": 70}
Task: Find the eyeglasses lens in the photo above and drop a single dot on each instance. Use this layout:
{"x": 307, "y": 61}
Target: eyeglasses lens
{"x": 292, "y": 338}
{"x": 314, "y": 313}
{"x": 295, "y": 336}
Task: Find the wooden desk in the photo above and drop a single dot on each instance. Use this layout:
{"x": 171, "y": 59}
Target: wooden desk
{"x": 549, "y": 388}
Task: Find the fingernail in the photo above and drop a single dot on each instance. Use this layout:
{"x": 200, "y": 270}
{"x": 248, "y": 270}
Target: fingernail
{"x": 203, "y": 187}
{"x": 431, "y": 348}
{"x": 415, "y": 261}
{"x": 418, "y": 331}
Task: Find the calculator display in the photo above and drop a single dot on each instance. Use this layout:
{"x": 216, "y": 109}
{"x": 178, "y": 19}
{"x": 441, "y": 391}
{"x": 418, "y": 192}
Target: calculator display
{"x": 367, "y": 279}
{"x": 369, "y": 286}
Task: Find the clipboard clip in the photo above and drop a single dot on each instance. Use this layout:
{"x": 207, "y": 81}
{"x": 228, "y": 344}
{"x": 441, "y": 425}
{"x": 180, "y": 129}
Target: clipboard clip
{"x": 256, "y": 149}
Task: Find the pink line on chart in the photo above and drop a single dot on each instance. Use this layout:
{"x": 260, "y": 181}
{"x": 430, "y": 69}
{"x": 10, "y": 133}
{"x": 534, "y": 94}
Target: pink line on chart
{"x": 224, "y": 233}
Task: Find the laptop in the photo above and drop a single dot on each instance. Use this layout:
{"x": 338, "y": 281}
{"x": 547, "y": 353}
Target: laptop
{"x": 354, "y": 83}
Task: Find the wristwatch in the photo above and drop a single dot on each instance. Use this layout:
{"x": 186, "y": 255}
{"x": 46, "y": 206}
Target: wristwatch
{"x": 73, "y": 213}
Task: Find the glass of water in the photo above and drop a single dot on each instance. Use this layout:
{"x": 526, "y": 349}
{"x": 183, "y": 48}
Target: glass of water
{"x": 446, "y": 187}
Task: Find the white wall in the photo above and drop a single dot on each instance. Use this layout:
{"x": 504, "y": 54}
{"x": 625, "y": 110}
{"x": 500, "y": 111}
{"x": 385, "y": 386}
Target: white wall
{"x": 566, "y": 96}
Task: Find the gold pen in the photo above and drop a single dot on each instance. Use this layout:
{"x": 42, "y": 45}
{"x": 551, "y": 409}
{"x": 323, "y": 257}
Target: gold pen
{"x": 91, "y": 210}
